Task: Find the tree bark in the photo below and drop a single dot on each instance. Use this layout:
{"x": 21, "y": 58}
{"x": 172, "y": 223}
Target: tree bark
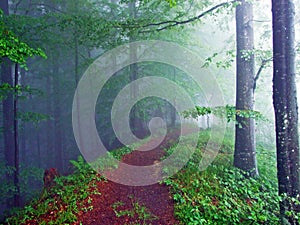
{"x": 133, "y": 70}
{"x": 245, "y": 153}
{"x": 49, "y": 127}
{"x": 173, "y": 109}
{"x": 17, "y": 195}
{"x": 58, "y": 155}
{"x": 285, "y": 103}
{"x": 4, "y": 6}
{"x": 8, "y": 115}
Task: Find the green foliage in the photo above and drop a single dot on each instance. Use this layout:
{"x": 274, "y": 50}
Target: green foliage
{"x": 5, "y": 89}
{"x": 119, "y": 153}
{"x": 172, "y": 2}
{"x": 108, "y": 161}
{"x": 7, "y": 189}
{"x": 292, "y": 203}
{"x": 225, "y": 62}
{"x": 27, "y": 174}
{"x": 266, "y": 160}
{"x": 21, "y": 91}
{"x": 70, "y": 195}
{"x": 33, "y": 117}
{"x": 261, "y": 54}
{"x": 136, "y": 210}
{"x": 14, "y": 49}
{"x": 222, "y": 194}
{"x": 228, "y": 112}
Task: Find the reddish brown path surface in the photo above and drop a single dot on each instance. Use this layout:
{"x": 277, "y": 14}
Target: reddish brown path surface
{"x": 119, "y": 204}
{"x": 155, "y": 198}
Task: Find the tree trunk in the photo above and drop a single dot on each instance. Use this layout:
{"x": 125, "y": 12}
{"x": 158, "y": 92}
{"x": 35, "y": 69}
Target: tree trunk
{"x": 38, "y": 147}
{"x": 17, "y": 195}
{"x": 244, "y": 154}
{"x": 173, "y": 109}
{"x": 57, "y": 121}
{"x": 4, "y": 6}
{"x": 8, "y": 123}
{"x": 8, "y": 113}
{"x": 49, "y": 127}
{"x": 285, "y": 103}
{"x": 133, "y": 70}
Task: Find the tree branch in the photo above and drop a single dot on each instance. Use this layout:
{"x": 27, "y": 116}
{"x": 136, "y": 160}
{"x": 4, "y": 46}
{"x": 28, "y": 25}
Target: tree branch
{"x": 172, "y": 23}
{"x": 48, "y": 6}
{"x": 17, "y": 5}
{"x": 262, "y": 66}
{"x": 29, "y": 8}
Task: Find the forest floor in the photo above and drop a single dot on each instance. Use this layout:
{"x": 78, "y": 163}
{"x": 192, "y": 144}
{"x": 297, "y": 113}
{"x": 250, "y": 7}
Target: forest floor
{"x": 85, "y": 197}
{"x": 122, "y": 204}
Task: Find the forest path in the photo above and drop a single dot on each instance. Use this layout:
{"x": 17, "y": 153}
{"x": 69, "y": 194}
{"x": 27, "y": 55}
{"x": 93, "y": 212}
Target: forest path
{"x": 150, "y": 204}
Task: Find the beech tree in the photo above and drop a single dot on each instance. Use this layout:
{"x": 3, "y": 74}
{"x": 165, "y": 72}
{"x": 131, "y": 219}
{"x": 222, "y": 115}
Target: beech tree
{"x": 285, "y": 104}
{"x": 245, "y": 153}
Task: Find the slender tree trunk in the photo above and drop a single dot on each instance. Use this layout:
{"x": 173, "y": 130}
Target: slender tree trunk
{"x": 49, "y": 128}
{"x": 8, "y": 122}
{"x": 285, "y": 103}
{"x": 133, "y": 70}
{"x": 16, "y": 141}
{"x": 8, "y": 113}
{"x": 22, "y": 127}
{"x": 244, "y": 154}
{"x": 38, "y": 147}
{"x": 76, "y": 73}
{"x": 173, "y": 109}
{"x": 57, "y": 121}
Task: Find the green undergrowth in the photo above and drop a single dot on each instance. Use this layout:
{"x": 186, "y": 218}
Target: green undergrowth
{"x": 110, "y": 160}
{"x": 69, "y": 194}
{"x": 60, "y": 203}
{"x": 221, "y": 194}
{"x": 136, "y": 211}
{"x": 120, "y": 152}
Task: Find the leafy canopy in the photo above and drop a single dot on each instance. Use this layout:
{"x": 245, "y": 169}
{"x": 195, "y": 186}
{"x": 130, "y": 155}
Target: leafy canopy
{"x": 14, "y": 49}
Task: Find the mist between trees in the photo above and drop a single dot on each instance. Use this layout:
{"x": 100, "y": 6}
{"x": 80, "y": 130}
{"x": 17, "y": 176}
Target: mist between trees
{"x": 251, "y": 48}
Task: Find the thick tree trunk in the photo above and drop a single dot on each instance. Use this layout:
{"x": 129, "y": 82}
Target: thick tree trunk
{"x": 285, "y": 102}
{"x": 245, "y": 154}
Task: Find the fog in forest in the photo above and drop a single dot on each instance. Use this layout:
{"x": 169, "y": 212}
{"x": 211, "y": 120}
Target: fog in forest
{"x": 72, "y": 36}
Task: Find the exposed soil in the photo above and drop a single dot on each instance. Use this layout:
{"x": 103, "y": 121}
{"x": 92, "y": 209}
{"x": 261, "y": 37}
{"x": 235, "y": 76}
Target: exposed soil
{"x": 120, "y": 204}
{"x": 155, "y": 198}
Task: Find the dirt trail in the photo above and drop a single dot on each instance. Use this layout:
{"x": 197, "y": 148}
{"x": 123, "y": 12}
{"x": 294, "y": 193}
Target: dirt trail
{"x": 156, "y": 198}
